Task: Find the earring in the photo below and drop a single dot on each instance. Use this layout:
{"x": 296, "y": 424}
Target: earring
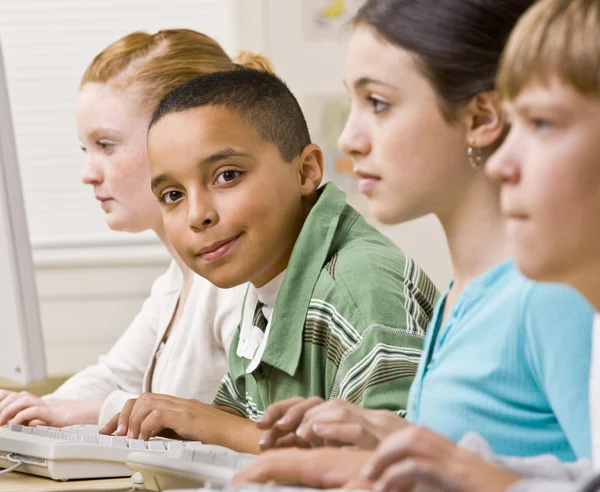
{"x": 474, "y": 155}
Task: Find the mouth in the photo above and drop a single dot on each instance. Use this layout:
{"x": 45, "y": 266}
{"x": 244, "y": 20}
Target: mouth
{"x": 219, "y": 249}
{"x": 366, "y": 181}
{"x": 103, "y": 199}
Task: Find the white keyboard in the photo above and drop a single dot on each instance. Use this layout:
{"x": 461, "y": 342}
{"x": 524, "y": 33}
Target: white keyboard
{"x": 205, "y": 466}
{"x": 76, "y": 451}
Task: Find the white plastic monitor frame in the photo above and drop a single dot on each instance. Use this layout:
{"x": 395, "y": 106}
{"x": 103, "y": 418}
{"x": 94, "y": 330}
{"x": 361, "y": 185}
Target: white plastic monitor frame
{"x": 22, "y": 356}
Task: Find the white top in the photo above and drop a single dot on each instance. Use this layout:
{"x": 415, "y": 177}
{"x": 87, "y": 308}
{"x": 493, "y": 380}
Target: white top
{"x": 253, "y": 340}
{"x": 595, "y": 393}
{"x": 189, "y": 365}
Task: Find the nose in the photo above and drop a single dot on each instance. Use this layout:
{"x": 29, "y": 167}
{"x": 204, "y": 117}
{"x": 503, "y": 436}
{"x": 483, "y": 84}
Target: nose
{"x": 202, "y": 212}
{"x": 92, "y": 173}
{"x": 354, "y": 139}
{"x": 504, "y": 165}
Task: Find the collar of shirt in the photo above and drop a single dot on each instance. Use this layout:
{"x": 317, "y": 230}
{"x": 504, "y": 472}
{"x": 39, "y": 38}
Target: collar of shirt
{"x": 253, "y": 340}
{"x": 321, "y": 236}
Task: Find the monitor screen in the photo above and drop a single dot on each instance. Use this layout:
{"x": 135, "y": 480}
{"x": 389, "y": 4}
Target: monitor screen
{"x": 22, "y": 357}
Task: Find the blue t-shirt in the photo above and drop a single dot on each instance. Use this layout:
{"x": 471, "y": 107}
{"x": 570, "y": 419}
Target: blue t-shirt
{"x": 512, "y": 363}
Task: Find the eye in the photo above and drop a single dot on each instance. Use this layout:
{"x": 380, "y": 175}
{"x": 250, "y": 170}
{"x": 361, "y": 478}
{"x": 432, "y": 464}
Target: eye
{"x": 169, "y": 197}
{"x": 105, "y": 146}
{"x": 227, "y": 176}
{"x": 83, "y": 149}
{"x": 540, "y": 124}
{"x": 377, "y": 104}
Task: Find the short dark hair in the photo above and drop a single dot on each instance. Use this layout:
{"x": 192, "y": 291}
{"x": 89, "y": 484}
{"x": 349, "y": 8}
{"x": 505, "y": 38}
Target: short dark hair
{"x": 458, "y": 44}
{"x": 259, "y": 97}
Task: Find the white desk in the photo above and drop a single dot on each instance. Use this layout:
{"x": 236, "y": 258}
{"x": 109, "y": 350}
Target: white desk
{"x": 21, "y": 482}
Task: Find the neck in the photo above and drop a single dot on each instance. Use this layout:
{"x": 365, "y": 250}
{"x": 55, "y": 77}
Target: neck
{"x": 475, "y": 232}
{"x": 587, "y": 282}
{"x": 188, "y": 274}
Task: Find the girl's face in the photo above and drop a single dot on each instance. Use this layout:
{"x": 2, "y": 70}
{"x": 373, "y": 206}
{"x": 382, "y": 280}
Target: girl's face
{"x": 112, "y": 129}
{"x": 410, "y": 160}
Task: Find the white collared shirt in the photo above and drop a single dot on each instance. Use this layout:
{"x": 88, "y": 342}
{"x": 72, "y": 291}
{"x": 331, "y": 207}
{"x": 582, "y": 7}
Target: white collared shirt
{"x": 253, "y": 340}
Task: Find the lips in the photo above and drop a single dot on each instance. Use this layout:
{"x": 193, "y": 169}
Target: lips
{"x": 366, "y": 181}
{"x": 218, "y": 249}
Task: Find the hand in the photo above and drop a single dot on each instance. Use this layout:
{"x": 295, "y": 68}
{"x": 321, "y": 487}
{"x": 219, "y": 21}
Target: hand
{"x": 416, "y": 455}
{"x": 28, "y": 409}
{"x": 150, "y": 414}
{"x": 317, "y": 468}
{"x": 332, "y": 423}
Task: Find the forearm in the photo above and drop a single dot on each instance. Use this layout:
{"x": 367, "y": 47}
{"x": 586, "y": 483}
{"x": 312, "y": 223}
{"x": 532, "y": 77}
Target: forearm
{"x": 85, "y": 411}
{"x": 227, "y": 428}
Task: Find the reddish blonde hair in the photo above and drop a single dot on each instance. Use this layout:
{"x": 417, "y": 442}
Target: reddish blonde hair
{"x": 155, "y": 64}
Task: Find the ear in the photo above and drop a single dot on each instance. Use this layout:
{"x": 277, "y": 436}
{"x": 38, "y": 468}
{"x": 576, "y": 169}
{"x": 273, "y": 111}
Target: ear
{"x": 486, "y": 121}
{"x": 310, "y": 169}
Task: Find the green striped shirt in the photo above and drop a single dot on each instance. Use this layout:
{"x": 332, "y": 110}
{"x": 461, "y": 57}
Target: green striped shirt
{"x": 348, "y": 322}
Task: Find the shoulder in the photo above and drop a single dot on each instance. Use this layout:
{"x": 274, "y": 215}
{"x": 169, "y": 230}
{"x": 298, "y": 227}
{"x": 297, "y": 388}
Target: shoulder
{"x": 374, "y": 277}
{"x": 168, "y": 282}
{"x": 554, "y": 311}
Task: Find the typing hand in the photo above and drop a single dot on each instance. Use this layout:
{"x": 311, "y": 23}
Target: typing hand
{"x": 151, "y": 414}
{"x": 317, "y": 468}
{"x": 331, "y": 423}
{"x": 417, "y": 456}
{"x": 25, "y": 408}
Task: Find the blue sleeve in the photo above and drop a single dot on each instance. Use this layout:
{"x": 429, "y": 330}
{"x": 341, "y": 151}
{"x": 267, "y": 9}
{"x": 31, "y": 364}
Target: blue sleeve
{"x": 559, "y": 336}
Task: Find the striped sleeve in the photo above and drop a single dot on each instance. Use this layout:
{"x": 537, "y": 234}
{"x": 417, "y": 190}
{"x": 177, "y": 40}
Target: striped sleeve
{"x": 229, "y": 396}
{"x": 375, "y": 368}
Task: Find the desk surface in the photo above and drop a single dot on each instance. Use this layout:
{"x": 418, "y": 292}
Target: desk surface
{"x": 40, "y": 388}
{"x": 21, "y": 482}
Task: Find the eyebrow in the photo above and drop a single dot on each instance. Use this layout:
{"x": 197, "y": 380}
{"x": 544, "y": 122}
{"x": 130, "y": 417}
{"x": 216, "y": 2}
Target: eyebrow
{"x": 360, "y": 83}
{"x": 221, "y": 155}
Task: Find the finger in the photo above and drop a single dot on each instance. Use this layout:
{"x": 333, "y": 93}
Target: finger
{"x": 400, "y": 477}
{"x": 405, "y": 475}
{"x": 358, "y": 484}
{"x": 121, "y": 427}
{"x": 17, "y": 406}
{"x": 6, "y": 402}
{"x": 410, "y": 442}
{"x": 30, "y": 413}
{"x": 110, "y": 426}
{"x": 36, "y": 422}
{"x": 144, "y": 405}
{"x": 289, "y": 466}
{"x": 275, "y": 411}
{"x": 295, "y": 414}
{"x": 291, "y": 441}
{"x": 152, "y": 425}
{"x": 346, "y": 434}
{"x": 4, "y": 394}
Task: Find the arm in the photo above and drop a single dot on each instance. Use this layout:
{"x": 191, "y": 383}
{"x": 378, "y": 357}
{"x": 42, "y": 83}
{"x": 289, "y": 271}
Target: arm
{"x": 559, "y": 339}
{"x": 151, "y": 414}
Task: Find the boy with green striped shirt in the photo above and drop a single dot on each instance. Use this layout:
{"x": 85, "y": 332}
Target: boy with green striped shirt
{"x": 334, "y": 309}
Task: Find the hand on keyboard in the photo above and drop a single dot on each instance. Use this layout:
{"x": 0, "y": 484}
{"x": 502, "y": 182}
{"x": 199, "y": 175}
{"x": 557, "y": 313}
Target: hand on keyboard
{"x": 318, "y": 468}
{"x": 319, "y": 422}
{"x": 25, "y": 408}
{"x": 151, "y": 414}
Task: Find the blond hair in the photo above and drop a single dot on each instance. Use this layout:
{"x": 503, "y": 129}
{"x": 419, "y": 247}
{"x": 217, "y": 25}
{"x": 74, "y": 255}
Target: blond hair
{"x": 156, "y": 64}
{"x": 554, "y": 39}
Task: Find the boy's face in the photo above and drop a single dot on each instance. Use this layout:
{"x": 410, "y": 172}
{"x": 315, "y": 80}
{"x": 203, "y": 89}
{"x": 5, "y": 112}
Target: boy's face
{"x": 549, "y": 169}
{"x": 231, "y": 206}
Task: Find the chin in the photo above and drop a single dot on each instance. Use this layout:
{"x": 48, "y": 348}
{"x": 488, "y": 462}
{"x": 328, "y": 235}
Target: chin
{"x": 120, "y": 224}
{"x": 535, "y": 268}
{"x": 217, "y": 277}
{"x": 389, "y": 215}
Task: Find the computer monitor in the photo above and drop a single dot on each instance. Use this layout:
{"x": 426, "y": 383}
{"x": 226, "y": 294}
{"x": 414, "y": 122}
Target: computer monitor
{"x": 22, "y": 357}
